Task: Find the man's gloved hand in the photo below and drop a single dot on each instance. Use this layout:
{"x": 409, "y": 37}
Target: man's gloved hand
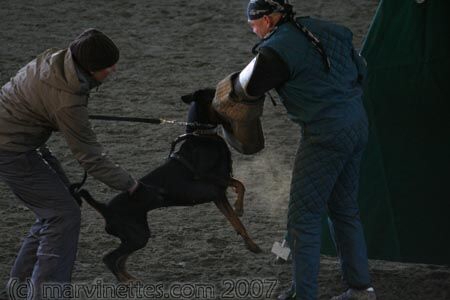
{"x": 147, "y": 196}
{"x": 132, "y": 189}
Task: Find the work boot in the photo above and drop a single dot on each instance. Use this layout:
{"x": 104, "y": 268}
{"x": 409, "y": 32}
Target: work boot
{"x": 352, "y": 294}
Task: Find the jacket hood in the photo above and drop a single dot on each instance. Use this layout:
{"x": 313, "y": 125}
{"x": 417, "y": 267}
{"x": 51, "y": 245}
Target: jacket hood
{"x": 57, "y": 69}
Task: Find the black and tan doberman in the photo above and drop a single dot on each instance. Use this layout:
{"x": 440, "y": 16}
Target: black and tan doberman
{"x": 198, "y": 170}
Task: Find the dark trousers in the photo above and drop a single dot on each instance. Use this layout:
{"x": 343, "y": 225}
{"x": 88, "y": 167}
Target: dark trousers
{"x": 48, "y": 251}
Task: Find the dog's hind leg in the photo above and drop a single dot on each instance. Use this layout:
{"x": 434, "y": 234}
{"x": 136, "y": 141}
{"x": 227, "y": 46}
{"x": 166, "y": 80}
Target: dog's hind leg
{"x": 121, "y": 263}
{"x": 134, "y": 234}
{"x": 116, "y": 259}
{"x": 114, "y": 262}
{"x": 225, "y": 207}
{"x": 240, "y": 190}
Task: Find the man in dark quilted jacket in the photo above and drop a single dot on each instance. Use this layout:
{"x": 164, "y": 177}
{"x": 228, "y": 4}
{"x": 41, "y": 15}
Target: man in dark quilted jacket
{"x": 317, "y": 73}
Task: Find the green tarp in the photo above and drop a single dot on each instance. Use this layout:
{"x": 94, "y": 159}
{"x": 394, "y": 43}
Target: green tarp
{"x": 405, "y": 182}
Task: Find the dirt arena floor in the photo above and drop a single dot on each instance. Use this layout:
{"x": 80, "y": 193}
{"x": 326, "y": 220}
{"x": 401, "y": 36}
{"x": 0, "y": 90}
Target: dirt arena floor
{"x": 170, "y": 48}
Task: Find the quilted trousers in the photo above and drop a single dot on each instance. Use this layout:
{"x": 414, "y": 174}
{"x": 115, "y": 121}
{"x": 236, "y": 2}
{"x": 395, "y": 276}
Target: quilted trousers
{"x": 325, "y": 180}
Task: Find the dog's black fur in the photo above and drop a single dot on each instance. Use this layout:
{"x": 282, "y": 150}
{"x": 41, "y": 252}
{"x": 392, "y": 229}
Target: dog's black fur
{"x": 199, "y": 172}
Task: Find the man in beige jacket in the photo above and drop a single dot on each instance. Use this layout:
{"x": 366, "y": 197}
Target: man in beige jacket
{"x": 51, "y": 94}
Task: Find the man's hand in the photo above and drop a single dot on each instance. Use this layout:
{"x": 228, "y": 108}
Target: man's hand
{"x": 132, "y": 189}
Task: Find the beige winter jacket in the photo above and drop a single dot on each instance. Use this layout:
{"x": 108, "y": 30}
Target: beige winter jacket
{"x": 45, "y": 96}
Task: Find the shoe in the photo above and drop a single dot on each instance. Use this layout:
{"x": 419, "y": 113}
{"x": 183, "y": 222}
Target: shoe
{"x": 352, "y": 294}
{"x": 287, "y": 294}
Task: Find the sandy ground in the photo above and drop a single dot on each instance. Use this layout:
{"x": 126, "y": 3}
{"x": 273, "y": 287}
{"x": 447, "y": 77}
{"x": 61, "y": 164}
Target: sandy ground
{"x": 170, "y": 48}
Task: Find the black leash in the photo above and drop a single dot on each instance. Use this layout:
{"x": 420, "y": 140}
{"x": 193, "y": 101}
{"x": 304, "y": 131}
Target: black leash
{"x": 152, "y": 121}
{"x": 126, "y": 119}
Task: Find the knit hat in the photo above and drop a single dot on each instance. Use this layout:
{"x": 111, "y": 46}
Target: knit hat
{"x": 94, "y": 51}
{"x": 258, "y": 8}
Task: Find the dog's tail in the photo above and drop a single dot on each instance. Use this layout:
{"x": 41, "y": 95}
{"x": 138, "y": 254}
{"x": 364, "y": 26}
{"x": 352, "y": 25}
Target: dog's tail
{"x": 99, "y": 206}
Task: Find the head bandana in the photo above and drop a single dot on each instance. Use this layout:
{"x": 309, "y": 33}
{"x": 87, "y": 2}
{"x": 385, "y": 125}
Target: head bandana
{"x": 258, "y": 8}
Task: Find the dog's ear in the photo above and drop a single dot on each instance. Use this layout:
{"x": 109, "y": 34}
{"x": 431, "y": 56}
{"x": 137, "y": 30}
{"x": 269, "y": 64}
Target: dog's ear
{"x": 206, "y": 95}
{"x": 188, "y": 98}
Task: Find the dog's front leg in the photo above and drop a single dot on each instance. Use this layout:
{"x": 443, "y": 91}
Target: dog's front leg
{"x": 229, "y": 213}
